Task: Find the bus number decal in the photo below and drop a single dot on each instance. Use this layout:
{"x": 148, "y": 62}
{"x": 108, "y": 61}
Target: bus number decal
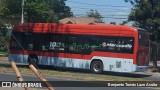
{"x": 55, "y": 46}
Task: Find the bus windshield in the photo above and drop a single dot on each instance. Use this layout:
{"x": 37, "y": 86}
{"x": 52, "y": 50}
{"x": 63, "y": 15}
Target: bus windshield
{"x": 143, "y": 38}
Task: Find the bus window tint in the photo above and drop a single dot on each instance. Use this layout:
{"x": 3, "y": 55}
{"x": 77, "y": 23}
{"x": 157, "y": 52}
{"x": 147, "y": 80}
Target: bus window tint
{"x": 125, "y": 45}
{"x": 111, "y": 44}
{"x": 45, "y": 42}
{"x": 16, "y": 42}
{"x": 72, "y": 44}
{"x": 77, "y": 44}
{"x": 118, "y": 44}
{"x": 143, "y": 38}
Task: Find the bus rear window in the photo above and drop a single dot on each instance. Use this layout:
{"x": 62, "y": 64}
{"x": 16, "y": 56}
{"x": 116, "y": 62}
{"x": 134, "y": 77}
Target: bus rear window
{"x": 143, "y": 38}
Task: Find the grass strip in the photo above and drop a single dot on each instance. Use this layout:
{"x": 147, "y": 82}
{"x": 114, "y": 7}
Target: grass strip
{"x": 70, "y": 74}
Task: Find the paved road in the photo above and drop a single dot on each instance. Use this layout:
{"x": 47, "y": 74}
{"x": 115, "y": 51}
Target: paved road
{"x": 144, "y": 75}
{"x": 12, "y": 77}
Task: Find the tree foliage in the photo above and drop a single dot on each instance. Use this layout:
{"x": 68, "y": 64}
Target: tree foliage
{"x": 59, "y": 7}
{"x": 36, "y": 10}
{"x": 10, "y": 7}
{"x": 95, "y": 14}
{"x": 146, "y": 14}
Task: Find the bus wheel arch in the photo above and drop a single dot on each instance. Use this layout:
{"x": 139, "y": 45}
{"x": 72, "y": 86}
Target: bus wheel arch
{"x": 33, "y": 59}
{"x": 96, "y": 66}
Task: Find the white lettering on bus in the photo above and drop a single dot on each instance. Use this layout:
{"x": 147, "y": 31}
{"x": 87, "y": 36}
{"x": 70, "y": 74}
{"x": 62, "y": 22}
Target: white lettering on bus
{"x": 52, "y": 45}
{"x": 55, "y": 45}
{"x": 118, "y": 45}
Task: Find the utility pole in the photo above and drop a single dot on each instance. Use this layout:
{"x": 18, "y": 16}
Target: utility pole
{"x": 22, "y": 17}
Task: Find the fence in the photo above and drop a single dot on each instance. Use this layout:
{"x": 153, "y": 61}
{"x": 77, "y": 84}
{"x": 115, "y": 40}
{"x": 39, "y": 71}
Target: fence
{"x": 4, "y": 42}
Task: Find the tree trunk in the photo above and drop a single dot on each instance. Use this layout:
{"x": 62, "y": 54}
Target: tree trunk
{"x": 154, "y": 54}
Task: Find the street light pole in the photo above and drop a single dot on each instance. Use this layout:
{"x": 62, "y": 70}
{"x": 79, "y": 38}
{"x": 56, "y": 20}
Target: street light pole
{"x": 22, "y": 17}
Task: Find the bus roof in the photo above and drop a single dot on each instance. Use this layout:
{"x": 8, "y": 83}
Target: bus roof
{"x": 141, "y": 29}
{"x": 106, "y": 29}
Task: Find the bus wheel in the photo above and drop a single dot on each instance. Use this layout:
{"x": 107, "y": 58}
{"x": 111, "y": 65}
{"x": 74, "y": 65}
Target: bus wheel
{"x": 97, "y": 66}
{"x": 33, "y": 61}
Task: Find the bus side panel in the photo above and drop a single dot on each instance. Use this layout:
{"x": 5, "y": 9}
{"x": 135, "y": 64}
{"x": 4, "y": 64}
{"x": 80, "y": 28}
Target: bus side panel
{"x": 120, "y": 64}
{"x": 109, "y": 63}
{"x": 18, "y": 58}
{"x": 53, "y": 61}
{"x": 64, "y": 62}
{"x": 117, "y": 64}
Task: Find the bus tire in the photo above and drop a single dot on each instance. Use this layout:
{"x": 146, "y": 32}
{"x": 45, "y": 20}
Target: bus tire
{"x": 33, "y": 60}
{"x": 97, "y": 66}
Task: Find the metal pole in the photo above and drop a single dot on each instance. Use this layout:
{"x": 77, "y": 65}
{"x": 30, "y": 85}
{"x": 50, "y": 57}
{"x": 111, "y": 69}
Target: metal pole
{"x": 22, "y": 17}
{"x": 19, "y": 77}
{"x": 40, "y": 76}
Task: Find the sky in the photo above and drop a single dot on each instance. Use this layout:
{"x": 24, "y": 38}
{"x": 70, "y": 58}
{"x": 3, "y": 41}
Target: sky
{"x": 112, "y": 10}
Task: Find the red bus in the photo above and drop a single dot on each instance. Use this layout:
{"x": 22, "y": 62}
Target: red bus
{"x": 97, "y": 47}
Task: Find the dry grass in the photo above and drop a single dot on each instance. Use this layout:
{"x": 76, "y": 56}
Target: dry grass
{"x": 69, "y": 74}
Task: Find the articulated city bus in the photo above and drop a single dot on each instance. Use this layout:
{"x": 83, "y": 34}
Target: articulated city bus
{"x": 97, "y": 47}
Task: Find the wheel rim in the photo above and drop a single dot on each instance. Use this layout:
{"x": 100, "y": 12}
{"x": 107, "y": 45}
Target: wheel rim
{"x": 97, "y": 67}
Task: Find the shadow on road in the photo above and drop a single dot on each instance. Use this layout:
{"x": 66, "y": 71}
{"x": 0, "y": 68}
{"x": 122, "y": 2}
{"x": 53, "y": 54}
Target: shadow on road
{"x": 60, "y": 69}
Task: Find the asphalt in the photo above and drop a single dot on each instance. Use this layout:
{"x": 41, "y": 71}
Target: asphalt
{"x": 145, "y": 75}
{"x": 12, "y": 77}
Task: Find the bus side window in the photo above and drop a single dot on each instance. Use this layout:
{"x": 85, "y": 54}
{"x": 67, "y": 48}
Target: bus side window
{"x": 72, "y": 44}
{"x": 79, "y": 44}
{"x": 57, "y": 43}
{"x": 31, "y": 44}
{"x": 119, "y": 47}
{"x": 117, "y": 44}
{"x": 125, "y": 45}
{"x": 16, "y": 41}
{"x": 111, "y": 44}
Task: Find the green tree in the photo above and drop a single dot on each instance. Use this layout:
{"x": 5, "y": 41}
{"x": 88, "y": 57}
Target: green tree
{"x": 10, "y": 7}
{"x": 60, "y": 9}
{"x": 95, "y": 14}
{"x": 146, "y": 14}
{"x": 36, "y": 10}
